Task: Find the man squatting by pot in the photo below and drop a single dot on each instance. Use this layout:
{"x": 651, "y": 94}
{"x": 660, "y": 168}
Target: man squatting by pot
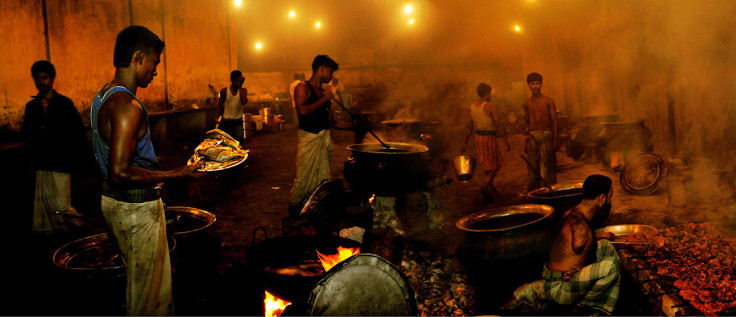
{"x": 131, "y": 204}
{"x": 315, "y": 142}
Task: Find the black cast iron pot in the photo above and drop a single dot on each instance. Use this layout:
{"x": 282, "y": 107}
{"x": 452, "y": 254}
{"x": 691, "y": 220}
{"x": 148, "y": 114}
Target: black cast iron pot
{"x": 289, "y": 251}
{"x": 400, "y": 168}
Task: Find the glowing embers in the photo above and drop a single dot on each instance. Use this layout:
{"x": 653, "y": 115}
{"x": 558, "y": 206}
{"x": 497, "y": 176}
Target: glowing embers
{"x": 328, "y": 261}
{"x": 274, "y": 306}
{"x": 370, "y": 200}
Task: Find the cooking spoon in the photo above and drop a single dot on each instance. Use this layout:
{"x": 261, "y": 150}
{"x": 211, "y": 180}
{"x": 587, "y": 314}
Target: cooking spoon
{"x": 367, "y": 128}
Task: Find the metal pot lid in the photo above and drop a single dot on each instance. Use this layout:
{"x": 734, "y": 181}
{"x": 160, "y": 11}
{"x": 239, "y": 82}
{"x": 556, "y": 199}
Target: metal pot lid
{"x": 363, "y": 285}
{"x": 322, "y": 198}
{"x": 643, "y": 174}
{"x": 183, "y": 220}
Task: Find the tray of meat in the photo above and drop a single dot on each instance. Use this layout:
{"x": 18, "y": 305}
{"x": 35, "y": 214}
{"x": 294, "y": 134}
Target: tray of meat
{"x": 219, "y": 151}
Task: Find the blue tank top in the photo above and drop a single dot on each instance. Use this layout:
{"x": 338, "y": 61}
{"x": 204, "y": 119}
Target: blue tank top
{"x": 144, "y": 156}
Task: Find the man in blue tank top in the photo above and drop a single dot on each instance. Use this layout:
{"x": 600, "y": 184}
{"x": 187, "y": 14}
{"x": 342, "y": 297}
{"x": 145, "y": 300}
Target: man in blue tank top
{"x": 131, "y": 204}
{"x": 315, "y": 142}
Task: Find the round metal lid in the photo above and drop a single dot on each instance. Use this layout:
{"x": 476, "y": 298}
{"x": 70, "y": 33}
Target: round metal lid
{"x": 364, "y": 284}
{"x": 643, "y": 174}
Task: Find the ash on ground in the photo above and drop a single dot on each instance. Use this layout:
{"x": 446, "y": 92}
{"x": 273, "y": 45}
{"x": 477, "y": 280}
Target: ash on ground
{"x": 441, "y": 284}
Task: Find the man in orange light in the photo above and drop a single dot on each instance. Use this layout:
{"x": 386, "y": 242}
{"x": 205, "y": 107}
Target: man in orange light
{"x": 485, "y": 125}
{"x": 315, "y": 141}
{"x": 230, "y": 106}
{"x": 131, "y": 203}
{"x": 540, "y": 114}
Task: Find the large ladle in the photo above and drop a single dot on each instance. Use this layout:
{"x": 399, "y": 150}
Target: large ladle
{"x": 539, "y": 175}
{"x": 367, "y": 128}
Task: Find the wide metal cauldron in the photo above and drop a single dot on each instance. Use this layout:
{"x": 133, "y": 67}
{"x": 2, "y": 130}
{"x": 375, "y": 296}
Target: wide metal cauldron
{"x": 387, "y": 171}
{"x": 566, "y": 195}
{"x": 505, "y": 237}
{"x": 93, "y": 253}
{"x": 290, "y": 251}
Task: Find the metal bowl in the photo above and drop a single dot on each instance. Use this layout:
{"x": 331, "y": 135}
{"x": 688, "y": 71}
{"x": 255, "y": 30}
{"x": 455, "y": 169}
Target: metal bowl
{"x": 504, "y": 218}
{"x": 625, "y": 230}
{"x": 183, "y": 220}
{"x": 561, "y": 190}
{"x": 96, "y": 252}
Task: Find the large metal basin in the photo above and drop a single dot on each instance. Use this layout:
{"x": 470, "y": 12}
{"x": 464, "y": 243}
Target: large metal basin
{"x": 506, "y": 237}
{"x": 562, "y": 197}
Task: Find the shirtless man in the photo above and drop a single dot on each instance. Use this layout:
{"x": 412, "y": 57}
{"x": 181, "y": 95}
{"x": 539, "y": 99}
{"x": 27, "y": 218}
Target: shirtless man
{"x": 583, "y": 267}
{"x": 131, "y": 203}
{"x": 540, "y": 114}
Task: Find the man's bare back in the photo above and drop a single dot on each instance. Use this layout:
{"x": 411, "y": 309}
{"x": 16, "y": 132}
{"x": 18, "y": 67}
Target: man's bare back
{"x": 575, "y": 244}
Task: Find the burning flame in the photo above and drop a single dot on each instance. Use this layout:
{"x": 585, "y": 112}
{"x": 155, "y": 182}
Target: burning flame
{"x": 328, "y": 261}
{"x": 370, "y": 200}
{"x": 274, "y": 306}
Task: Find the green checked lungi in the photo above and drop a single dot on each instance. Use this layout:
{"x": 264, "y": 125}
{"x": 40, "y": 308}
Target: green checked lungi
{"x": 594, "y": 286}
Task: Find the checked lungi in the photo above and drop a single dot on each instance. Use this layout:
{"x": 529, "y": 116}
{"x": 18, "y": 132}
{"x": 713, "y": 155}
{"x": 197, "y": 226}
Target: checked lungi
{"x": 594, "y": 286}
{"x": 488, "y": 153}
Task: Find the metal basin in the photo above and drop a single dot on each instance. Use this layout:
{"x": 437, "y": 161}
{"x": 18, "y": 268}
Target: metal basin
{"x": 562, "y": 198}
{"x": 402, "y": 167}
{"x": 92, "y": 253}
{"x": 625, "y": 230}
{"x": 506, "y": 237}
{"x": 183, "y": 220}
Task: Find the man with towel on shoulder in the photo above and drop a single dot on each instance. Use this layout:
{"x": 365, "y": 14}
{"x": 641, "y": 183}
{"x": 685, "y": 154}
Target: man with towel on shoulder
{"x": 315, "y": 141}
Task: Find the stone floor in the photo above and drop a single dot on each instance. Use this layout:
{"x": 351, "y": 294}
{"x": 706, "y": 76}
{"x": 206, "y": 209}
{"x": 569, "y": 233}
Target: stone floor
{"x": 256, "y": 195}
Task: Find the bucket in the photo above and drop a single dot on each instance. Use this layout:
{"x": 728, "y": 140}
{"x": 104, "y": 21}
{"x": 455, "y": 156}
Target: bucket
{"x": 464, "y": 166}
{"x": 266, "y": 114}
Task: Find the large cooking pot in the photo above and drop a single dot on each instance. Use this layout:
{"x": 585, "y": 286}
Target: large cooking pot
{"x": 183, "y": 220}
{"x": 93, "y": 253}
{"x": 292, "y": 251}
{"x": 400, "y": 168}
{"x": 506, "y": 237}
{"x": 562, "y": 197}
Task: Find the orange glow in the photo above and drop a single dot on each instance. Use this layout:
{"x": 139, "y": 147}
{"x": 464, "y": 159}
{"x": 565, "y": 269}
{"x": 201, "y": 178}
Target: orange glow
{"x": 318, "y": 25}
{"x": 617, "y": 159}
{"x": 370, "y": 200}
{"x": 517, "y": 29}
{"x": 259, "y": 46}
{"x": 238, "y": 3}
{"x": 274, "y": 306}
{"x": 411, "y": 21}
{"x": 407, "y": 8}
{"x": 328, "y": 261}
{"x": 292, "y": 14}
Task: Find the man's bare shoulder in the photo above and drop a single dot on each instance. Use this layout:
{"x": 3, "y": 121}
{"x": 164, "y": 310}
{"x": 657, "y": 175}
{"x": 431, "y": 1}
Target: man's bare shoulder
{"x": 123, "y": 103}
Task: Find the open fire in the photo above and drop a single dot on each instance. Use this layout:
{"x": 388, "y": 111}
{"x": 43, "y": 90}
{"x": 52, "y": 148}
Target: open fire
{"x": 328, "y": 261}
{"x": 274, "y": 306}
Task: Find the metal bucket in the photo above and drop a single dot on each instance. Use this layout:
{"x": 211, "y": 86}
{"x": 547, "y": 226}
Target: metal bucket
{"x": 464, "y": 166}
{"x": 266, "y": 114}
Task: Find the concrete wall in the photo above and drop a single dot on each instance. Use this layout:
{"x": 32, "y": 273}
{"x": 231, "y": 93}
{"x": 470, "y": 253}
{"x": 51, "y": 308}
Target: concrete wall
{"x": 81, "y": 41}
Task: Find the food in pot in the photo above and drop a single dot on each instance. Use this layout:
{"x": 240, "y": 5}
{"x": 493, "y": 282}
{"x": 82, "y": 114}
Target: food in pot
{"x": 699, "y": 258}
{"x": 306, "y": 269}
{"x": 218, "y": 151}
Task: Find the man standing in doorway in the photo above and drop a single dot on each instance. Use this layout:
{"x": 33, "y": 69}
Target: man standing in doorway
{"x": 315, "y": 141}
{"x": 230, "y": 106}
{"x": 540, "y": 114}
{"x": 131, "y": 203}
{"x": 52, "y": 126}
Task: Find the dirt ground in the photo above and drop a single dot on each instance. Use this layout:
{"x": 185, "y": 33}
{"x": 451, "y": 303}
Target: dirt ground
{"x": 256, "y": 194}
